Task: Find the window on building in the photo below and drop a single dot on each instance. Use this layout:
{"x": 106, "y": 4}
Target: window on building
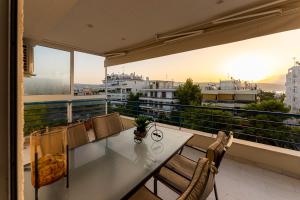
{"x": 163, "y": 94}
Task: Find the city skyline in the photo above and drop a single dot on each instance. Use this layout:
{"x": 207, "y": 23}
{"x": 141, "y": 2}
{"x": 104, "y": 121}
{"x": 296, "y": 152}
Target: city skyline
{"x": 263, "y": 59}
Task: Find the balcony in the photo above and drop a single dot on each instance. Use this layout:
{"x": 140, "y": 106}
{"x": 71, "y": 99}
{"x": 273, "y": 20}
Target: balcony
{"x": 138, "y": 34}
{"x": 253, "y": 166}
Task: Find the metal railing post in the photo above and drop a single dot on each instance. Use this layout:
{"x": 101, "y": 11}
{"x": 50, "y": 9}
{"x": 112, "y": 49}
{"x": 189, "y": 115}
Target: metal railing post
{"x": 106, "y": 99}
{"x": 179, "y": 115}
{"x": 137, "y": 108}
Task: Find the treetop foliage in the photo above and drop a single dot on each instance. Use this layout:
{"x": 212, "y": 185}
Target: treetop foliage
{"x": 189, "y": 93}
{"x": 134, "y": 97}
{"x": 269, "y": 105}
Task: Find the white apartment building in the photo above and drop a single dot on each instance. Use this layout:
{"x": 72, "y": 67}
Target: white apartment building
{"x": 156, "y": 95}
{"x": 292, "y": 88}
{"x": 119, "y": 86}
{"x": 230, "y": 93}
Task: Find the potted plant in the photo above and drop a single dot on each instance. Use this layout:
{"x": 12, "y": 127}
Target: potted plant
{"x": 141, "y": 123}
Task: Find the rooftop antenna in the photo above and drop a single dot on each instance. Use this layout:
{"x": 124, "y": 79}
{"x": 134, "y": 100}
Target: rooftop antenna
{"x": 295, "y": 62}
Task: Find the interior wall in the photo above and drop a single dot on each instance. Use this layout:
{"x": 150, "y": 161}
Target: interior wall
{"x": 4, "y": 141}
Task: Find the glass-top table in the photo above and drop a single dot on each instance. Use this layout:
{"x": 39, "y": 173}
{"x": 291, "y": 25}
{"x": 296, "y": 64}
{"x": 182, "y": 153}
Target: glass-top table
{"x": 112, "y": 168}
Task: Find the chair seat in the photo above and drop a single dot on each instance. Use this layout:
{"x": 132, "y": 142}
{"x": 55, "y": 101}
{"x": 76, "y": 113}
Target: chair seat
{"x": 182, "y": 166}
{"x": 144, "y": 194}
{"x": 171, "y": 178}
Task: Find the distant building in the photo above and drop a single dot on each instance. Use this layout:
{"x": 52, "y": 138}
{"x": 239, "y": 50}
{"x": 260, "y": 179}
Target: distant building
{"x": 292, "y": 88}
{"x": 119, "y": 86}
{"x": 230, "y": 93}
{"x": 83, "y": 92}
{"x": 157, "y": 94}
{"x": 88, "y": 90}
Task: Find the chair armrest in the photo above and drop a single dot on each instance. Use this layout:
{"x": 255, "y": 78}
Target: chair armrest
{"x": 197, "y": 148}
{"x": 230, "y": 141}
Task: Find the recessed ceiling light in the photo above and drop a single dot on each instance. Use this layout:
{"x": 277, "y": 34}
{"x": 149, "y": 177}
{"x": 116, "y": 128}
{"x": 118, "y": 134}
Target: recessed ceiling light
{"x": 90, "y": 25}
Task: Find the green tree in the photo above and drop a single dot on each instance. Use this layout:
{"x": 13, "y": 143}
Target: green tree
{"x": 282, "y": 97}
{"x": 207, "y": 119}
{"x": 133, "y": 104}
{"x": 270, "y": 125}
{"x": 268, "y": 105}
{"x": 130, "y": 108}
{"x": 189, "y": 93}
{"x": 264, "y": 96}
{"x": 134, "y": 97}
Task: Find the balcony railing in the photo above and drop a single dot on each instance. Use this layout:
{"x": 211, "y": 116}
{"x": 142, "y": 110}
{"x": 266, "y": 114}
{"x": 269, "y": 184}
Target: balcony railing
{"x": 273, "y": 128}
{"x": 39, "y": 115}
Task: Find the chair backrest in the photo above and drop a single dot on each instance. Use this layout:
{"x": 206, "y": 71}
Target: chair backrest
{"x": 107, "y": 125}
{"x": 48, "y": 147}
{"x": 127, "y": 123}
{"x": 53, "y": 141}
{"x": 77, "y": 135}
{"x": 47, "y": 141}
{"x": 217, "y": 149}
{"x": 202, "y": 182}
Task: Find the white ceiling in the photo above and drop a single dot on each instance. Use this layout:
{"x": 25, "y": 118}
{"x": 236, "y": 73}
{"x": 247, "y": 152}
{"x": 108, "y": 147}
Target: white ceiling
{"x": 103, "y": 26}
{"x": 116, "y": 23}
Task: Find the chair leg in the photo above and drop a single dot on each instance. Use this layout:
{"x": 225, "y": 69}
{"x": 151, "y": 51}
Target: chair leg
{"x": 155, "y": 185}
{"x": 180, "y": 151}
{"x": 216, "y": 192}
{"x": 68, "y": 175}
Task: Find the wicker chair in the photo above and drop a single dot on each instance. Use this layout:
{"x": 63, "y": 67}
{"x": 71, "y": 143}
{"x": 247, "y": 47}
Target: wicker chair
{"x": 52, "y": 140}
{"x": 107, "y": 125}
{"x": 77, "y": 135}
{"x": 199, "y": 187}
{"x": 178, "y": 172}
{"x": 127, "y": 123}
{"x": 49, "y": 157}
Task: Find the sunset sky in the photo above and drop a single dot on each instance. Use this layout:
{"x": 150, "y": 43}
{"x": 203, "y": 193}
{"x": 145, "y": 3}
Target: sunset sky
{"x": 263, "y": 59}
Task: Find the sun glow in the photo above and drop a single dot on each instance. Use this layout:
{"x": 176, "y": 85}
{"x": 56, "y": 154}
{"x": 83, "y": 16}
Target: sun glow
{"x": 250, "y": 67}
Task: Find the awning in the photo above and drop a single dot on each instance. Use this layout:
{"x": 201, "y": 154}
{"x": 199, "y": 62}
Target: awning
{"x": 133, "y": 30}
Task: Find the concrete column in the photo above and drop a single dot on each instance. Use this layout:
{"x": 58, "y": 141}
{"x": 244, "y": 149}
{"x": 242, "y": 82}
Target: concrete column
{"x": 72, "y": 73}
{"x": 70, "y": 112}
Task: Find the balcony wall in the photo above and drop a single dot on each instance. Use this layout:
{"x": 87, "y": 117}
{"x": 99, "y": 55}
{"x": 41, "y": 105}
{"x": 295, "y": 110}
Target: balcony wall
{"x": 273, "y": 158}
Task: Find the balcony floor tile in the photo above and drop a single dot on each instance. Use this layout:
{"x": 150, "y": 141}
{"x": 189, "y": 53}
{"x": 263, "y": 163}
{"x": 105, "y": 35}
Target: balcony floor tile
{"x": 239, "y": 181}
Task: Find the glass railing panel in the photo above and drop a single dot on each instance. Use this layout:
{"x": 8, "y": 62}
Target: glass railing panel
{"x": 39, "y": 115}
{"x": 85, "y": 109}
